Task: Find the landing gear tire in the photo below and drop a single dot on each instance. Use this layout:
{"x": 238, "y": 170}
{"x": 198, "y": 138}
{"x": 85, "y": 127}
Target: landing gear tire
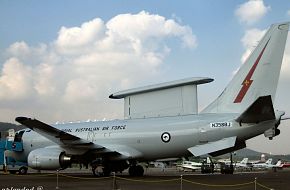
{"x": 97, "y": 171}
{"x": 100, "y": 171}
{"x": 22, "y": 171}
{"x": 136, "y": 171}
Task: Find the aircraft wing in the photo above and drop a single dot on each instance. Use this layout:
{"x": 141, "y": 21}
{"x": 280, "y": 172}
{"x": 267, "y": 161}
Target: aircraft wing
{"x": 213, "y": 146}
{"x": 55, "y": 135}
{"x": 68, "y": 140}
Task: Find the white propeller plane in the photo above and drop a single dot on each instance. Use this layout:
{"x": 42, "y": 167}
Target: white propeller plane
{"x": 162, "y": 121}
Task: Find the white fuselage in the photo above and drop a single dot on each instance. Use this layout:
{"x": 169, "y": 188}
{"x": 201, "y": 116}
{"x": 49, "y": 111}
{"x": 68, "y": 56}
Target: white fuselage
{"x": 143, "y": 136}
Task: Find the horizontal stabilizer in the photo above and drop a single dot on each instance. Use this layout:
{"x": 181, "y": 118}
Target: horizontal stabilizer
{"x": 261, "y": 110}
{"x": 213, "y": 146}
{"x": 239, "y": 145}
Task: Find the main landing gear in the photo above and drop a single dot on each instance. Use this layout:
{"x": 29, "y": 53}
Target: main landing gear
{"x": 228, "y": 168}
{"x": 136, "y": 170}
{"x": 101, "y": 168}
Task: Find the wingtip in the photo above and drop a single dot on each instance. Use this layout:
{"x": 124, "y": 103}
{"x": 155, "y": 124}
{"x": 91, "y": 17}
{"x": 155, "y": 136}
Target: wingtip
{"x": 21, "y": 119}
{"x": 113, "y": 97}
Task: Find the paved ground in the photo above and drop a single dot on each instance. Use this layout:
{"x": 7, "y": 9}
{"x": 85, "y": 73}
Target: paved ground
{"x": 153, "y": 180}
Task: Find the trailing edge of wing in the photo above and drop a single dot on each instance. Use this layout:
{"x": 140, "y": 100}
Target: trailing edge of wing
{"x": 53, "y": 134}
{"x": 213, "y": 146}
{"x": 261, "y": 110}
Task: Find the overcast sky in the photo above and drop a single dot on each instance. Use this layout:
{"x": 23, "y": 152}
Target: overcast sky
{"x": 60, "y": 60}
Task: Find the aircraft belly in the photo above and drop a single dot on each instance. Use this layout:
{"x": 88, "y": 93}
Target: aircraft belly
{"x": 249, "y": 131}
{"x": 154, "y": 148}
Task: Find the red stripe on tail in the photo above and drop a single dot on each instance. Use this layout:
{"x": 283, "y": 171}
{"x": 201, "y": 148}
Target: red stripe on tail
{"x": 247, "y": 81}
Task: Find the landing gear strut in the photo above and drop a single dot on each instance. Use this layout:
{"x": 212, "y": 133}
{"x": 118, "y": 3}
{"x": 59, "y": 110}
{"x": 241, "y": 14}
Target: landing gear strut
{"x": 228, "y": 169}
{"x": 101, "y": 167}
{"x": 136, "y": 170}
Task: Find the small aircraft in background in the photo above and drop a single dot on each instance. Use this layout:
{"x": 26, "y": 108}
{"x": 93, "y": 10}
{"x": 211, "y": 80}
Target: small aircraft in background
{"x": 268, "y": 164}
{"x": 202, "y": 166}
{"x": 285, "y": 165}
{"x": 189, "y": 165}
{"x": 244, "y": 164}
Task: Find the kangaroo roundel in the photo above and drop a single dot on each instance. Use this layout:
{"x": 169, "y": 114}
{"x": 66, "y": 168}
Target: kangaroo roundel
{"x": 165, "y": 137}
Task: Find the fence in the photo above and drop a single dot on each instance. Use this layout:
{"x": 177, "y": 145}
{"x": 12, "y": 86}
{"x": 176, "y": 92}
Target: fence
{"x": 180, "y": 181}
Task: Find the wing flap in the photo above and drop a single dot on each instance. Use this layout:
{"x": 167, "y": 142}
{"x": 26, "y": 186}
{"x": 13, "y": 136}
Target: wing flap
{"x": 213, "y": 146}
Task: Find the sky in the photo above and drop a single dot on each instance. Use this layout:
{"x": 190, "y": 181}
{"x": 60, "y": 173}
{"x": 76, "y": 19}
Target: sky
{"x": 60, "y": 60}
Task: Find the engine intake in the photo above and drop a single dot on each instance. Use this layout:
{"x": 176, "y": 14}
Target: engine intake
{"x": 48, "y": 159}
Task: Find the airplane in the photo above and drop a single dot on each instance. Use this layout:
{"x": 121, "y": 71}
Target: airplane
{"x": 264, "y": 164}
{"x": 158, "y": 164}
{"x": 278, "y": 164}
{"x": 262, "y": 160}
{"x": 162, "y": 120}
{"x": 244, "y": 164}
{"x": 194, "y": 166}
{"x": 285, "y": 165}
{"x": 268, "y": 164}
{"x": 191, "y": 165}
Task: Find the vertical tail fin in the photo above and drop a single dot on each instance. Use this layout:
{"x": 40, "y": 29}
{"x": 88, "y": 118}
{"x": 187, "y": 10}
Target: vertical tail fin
{"x": 257, "y": 77}
{"x": 244, "y": 161}
{"x": 269, "y": 161}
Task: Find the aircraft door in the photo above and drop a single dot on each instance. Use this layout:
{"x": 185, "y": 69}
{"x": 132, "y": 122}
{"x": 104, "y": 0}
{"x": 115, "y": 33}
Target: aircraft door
{"x": 203, "y": 136}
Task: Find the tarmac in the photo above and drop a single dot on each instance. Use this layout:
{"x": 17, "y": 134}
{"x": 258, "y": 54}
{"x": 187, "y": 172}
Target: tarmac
{"x": 154, "y": 179}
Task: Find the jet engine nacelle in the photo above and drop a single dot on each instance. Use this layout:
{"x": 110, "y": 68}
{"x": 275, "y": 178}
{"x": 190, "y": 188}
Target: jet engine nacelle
{"x": 48, "y": 159}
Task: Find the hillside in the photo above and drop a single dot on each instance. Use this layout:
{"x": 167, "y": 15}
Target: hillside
{"x": 6, "y": 126}
{"x": 254, "y": 155}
